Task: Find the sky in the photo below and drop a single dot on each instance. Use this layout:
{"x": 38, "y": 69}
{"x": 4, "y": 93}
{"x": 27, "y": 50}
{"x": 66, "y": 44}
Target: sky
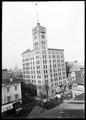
{"x": 64, "y": 22}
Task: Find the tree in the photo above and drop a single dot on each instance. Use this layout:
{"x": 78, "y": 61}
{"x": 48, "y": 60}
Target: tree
{"x": 32, "y": 90}
{"x": 28, "y": 89}
{"x": 23, "y": 88}
{"x": 47, "y": 90}
{"x": 67, "y": 69}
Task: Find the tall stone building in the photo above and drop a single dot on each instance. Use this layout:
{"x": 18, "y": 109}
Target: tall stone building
{"x": 43, "y": 65}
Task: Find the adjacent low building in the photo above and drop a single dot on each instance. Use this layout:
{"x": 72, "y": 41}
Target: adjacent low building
{"x": 77, "y": 90}
{"x": 11, "y": 93}
{"x": 82, "y": 69}
{"x": 78, "y": 86}
{"x": 76, "y": 77}
{"x": 73, "y": 66}
{"x": 71, "y": 77}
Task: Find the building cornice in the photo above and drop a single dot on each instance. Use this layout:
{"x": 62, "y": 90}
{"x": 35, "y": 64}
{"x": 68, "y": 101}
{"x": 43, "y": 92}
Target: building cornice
{"x": 55, "y": 49}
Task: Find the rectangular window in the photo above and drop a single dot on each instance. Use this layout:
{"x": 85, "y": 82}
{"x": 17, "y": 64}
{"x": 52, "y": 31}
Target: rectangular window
{"x": 34, "y": 81}
{"x": 15, "y": 87}
{"x": 46, "y": 71}
{"x": 44, "y": 61}
{"x": 37, "y": 57}
{"x": 60, "y": 78}
{"x": 43, "y": 56}
{"x": 16, "y": 96}
{"x": 42, "y": 42}
{"x": 33, "y": 67}
{"x": 54, "y": 70}
{"x": 63, "y": 73}
{"x": 44, "y": 76}
{"x": 51, "y": 75}
{"x": 64, "y": 81}
{"x": 38, "y": 72}
{"x": 29, "y": 81}
{"x": 47, "y": 76}
{"x": 63, "y": 69}
{"x": 39, "y": 76}
{"x": 42, "y": 51}
{"x": 8, "y": 98}
{"x": 59, "y": 73}
{"x": 38, "y": 67}
{"x": 46, "y": 81}
{"x": 62, "y": 56}
{"x": 62, "y": 65}
{"x": 28, "y": 76}
{"x": 58, "y": 65}
{"x": 57, "y": 56}
{"x": 39, "y": 81}
{"x": 37, "y": 62}
{"x": 54, "y": 74}
{"x": 36, "y": 43}
{"x": 60, "y": 82}
{"x": 63, "y": 77}
{"x": 51, "y": 80}
{"x": 8, "y": 89}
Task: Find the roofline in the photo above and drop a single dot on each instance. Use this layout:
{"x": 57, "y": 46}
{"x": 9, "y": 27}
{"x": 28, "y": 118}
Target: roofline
{"x": 55, "y": 49}
{"x": 10, "y": 83}
{"x": 27, "y": 51}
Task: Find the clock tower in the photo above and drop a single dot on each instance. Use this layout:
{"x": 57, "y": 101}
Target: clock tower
{"x": 41, "y": 50}
{"x": 39, "y": 38}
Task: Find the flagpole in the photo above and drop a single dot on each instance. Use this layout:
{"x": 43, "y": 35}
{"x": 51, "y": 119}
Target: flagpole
{"x": 37, "y": 13}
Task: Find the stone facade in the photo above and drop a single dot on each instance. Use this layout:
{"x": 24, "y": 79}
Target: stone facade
{"x": 43, "y": 65}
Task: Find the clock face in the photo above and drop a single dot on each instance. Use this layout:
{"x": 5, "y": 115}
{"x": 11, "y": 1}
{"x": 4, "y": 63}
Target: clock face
{"x": 43, "y": 36}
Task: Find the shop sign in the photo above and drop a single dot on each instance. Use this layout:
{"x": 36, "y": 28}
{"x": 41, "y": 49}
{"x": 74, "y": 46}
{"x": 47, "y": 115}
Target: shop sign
{"x": 7, "y": 107}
